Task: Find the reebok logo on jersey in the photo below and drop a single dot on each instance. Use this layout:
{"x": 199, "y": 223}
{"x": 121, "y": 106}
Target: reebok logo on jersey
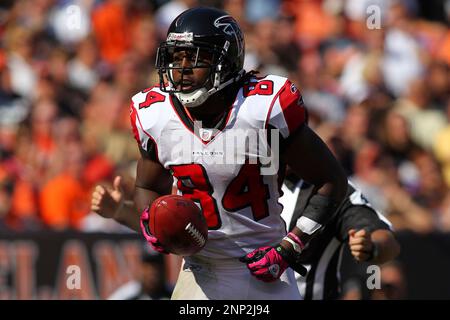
{"x": 293, "y": 88}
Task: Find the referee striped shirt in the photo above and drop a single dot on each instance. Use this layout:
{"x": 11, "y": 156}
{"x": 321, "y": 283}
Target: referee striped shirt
{"x": 323, "y": 254}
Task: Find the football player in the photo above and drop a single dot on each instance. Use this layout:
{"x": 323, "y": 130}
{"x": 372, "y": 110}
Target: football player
{"x": 367, "y": 233}
{"x": 187, "y": 127}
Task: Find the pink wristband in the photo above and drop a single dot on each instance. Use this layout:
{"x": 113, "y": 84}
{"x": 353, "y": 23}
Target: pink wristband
{"x": 295, "y": 238}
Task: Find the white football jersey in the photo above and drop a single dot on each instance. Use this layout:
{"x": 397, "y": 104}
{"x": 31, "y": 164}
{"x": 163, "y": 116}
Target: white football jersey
{"x": 228, "y": 171}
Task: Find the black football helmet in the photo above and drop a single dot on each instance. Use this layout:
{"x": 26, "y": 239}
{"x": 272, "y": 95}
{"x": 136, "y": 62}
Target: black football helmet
{"x": 202, "y": 31}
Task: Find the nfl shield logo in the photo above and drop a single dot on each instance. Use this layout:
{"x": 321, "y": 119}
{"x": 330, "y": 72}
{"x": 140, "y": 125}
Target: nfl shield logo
{"x": 205, "y": 134}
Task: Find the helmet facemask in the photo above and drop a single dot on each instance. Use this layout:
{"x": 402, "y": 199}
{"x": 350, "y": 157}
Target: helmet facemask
{"x": 217, "y": 78}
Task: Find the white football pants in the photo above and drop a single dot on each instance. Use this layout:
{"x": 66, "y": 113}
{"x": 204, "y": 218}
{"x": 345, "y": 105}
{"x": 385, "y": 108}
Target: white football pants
{"x": 229, "y": 279}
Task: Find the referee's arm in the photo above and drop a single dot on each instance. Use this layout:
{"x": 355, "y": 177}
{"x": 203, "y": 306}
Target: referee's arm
{"x": 378, "y": 246}
{"x": 369, "y": 237}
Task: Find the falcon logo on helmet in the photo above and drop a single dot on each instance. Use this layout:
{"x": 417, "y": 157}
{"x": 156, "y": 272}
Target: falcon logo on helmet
{"x": 226, "y": 23}
{"x": 230, "y": 27}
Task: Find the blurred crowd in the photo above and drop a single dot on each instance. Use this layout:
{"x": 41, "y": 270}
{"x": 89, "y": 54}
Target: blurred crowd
{"x": 375, "y": 76}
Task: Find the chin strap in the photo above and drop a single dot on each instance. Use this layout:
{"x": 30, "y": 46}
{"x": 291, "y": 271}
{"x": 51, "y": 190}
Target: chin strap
{"x": 197, "y": 97}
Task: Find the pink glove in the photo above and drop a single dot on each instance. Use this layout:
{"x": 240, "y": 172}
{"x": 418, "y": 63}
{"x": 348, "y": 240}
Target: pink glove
{"x": 265, "y": 263}
{"x": 145, "y": 217}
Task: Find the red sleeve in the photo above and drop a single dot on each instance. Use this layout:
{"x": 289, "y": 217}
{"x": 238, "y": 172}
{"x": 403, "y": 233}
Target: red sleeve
{"x": 287, "y": 111}
{"x": 133, "y": 119}
{"x": 146, "y": 143}
{"x": 291, "y": 102}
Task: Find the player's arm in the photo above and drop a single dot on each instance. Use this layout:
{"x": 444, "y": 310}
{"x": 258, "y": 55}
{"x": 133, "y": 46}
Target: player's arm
{"x": 311, "y": 160}
{"x": 309, "y": 157}
{"x": 152, "y": 181}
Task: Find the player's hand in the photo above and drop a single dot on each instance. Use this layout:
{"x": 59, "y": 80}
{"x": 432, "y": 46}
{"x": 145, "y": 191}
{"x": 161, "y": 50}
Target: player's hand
{"x": 107, "y": 201}
{"x": 268, "y": 263}
{"x": 156, "y": 245}
{"x": 361, "y": 245}
{"x": 265, "y": 263}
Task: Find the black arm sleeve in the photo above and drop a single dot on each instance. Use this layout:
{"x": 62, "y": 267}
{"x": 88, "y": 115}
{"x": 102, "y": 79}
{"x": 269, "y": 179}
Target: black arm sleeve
{"x": 358, "y": 217}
